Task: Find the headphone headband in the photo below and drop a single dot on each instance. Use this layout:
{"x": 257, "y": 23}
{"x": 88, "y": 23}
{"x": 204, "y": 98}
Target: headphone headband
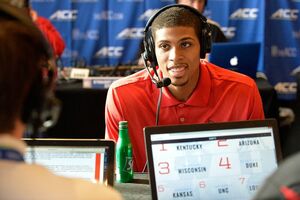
{"x": 153, "y": 17}
{"x": 149, "y": 55}
{"x": 149, "y": 45}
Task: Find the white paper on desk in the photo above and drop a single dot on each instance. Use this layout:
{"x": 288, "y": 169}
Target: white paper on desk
{"x": 98, "y": 82}
{"x": 79, "y": 73}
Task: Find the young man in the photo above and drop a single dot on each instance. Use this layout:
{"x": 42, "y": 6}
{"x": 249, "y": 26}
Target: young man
{"x": 217, "y": 34}
{"x": 200, "y": 92}
{"x": 24, "y": 90}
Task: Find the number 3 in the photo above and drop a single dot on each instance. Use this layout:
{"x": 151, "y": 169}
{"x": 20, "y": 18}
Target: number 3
{"x": 164, "y": 168}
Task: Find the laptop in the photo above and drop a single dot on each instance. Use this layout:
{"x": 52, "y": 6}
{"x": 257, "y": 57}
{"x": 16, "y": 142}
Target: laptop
{"x": 228, "y": 160}
{"x": 239, "y": 57}
{"x": 89, "y": 159}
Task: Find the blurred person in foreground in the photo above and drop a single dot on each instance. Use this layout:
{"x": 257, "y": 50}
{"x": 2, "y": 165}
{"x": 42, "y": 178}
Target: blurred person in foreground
{"x": 192, "y": 90}
{"x": 25, "y": 90}
{"x": 284, "y": 183}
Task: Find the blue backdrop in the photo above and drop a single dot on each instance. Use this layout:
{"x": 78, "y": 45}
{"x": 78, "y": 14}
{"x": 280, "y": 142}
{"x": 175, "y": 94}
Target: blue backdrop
{"x": 108, "y": 32}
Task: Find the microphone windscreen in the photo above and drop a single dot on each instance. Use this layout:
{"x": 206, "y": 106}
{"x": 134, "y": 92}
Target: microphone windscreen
{"x": 166, "y": 82}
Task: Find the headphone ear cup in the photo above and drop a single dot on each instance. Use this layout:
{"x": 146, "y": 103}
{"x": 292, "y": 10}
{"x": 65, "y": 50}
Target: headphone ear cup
{"x": 50, "y": 111}
{"x": 150, "y": 48}
{"x": 208, "y": 38}
{"x": 145, "y": 56}
{"x": 205, "y": 40}
{"x": 32, "y": 101}
{"x": 41, "y": 109}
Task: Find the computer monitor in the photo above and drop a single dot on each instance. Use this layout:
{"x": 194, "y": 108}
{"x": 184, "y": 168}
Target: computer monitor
{"x": 227, "y": 160}
{"x": 239, "y": 57}
{"x": 88, "y": 159}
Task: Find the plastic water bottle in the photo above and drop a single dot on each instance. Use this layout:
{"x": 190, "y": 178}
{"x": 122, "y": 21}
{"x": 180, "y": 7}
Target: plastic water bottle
{"x": 124, "y": 170}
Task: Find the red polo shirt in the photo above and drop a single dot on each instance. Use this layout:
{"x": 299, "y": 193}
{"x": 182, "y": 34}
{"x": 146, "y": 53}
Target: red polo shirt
{"x": 221, "y": 95}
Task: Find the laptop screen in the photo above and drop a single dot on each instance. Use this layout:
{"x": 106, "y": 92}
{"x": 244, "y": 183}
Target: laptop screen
{"x": 211, "y": 161}
{"x": 92, "y": 160}
{"x": 239, "y": 57}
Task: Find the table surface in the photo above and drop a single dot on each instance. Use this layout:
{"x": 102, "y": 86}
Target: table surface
{"x": 138, "y": 189}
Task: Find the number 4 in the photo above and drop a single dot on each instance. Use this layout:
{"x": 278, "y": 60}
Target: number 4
{"x": 225, "y": 164}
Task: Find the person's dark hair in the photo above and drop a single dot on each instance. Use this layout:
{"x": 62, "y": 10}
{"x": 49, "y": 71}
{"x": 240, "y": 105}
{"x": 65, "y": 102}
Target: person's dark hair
{"x": 22, "y": 54}
{"x": 177, "y": 16}
{"x": 26, "y": 4}
{"x": 205, "y": 2}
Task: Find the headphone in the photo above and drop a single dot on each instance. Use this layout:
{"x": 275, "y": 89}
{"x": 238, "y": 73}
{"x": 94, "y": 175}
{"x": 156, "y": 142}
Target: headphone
{"x": 40, "y": 109}
{"x": 149, "y": 46}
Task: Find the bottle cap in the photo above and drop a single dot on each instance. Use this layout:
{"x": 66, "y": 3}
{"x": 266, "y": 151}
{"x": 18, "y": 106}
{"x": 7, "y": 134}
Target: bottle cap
{"x": 123, "y": 124}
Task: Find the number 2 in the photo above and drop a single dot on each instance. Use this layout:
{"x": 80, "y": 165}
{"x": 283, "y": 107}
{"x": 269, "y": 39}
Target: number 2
{"x": 222, "y": 143}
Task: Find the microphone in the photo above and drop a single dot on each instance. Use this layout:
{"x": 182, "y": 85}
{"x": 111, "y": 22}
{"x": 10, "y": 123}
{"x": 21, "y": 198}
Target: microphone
{"x": 158, "y": 82}
{"x": 163, "y": 83}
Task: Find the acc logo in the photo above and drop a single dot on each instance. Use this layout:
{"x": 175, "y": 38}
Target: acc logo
{"x": 64, "y": 15}
{"x": 245, "y": 13}
{"x": 286, "y": 87}
{"x": 289, "y": 52}
{"x": 285, "y": 14}
{"x": 229, "y": 32}
{"x": 114, "y": 52}
{"x": 131, "y": 33}
{"x": 88, "y": 35}
{"x": 108, "y": 15}
{"x": 147, "y": 14}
